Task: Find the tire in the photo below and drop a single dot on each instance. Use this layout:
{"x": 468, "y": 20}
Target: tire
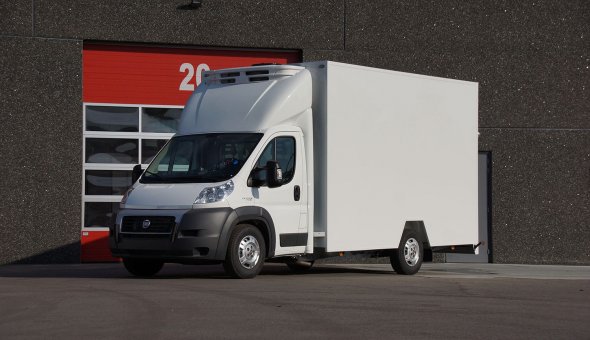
{"x": 246, "y": 252}
{"x": 299, "y": 266}
{"x": 142, "y": 267}
{"x": 407, "y": 258}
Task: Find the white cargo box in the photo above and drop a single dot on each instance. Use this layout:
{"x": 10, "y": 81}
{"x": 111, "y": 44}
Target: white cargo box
{"x": 392, "y": 147}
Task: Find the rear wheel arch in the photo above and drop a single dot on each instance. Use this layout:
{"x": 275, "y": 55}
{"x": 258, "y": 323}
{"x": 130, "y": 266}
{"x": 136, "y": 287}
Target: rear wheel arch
{"x": 407, "y": 258}
{"x": 419, "y": 229}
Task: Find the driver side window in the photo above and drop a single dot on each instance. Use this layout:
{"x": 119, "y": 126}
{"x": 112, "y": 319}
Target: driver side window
{"x": 267, "y": 155}
{"x": 282, "y": 150}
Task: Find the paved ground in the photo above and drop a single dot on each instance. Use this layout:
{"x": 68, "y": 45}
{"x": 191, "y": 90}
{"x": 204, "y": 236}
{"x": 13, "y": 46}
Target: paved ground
{"x": 332, "y": 302}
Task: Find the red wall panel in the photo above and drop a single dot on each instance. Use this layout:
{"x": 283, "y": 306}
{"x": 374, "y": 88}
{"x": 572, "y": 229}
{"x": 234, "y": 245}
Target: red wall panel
{"x": 153, "y": 75}
{"x": 95, "y": 247}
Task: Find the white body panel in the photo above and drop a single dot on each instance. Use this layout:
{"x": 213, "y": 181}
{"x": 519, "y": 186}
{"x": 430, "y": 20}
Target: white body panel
{"x": 393, "y": 147}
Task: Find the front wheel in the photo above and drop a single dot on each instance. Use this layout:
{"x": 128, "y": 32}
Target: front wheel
{"x": 142, "y": 267}
{"x": 407, "y": 258}
{"x": 245, "y": 252}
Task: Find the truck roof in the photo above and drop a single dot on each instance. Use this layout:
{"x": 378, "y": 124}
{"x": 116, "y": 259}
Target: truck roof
{"x": 261, "y": 97}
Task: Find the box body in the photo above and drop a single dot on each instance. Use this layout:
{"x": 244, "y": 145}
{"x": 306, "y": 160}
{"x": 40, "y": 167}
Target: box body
{"x": 392, "y": 147}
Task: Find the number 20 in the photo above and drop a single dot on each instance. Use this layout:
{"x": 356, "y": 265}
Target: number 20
{"x": 186, "y": 85}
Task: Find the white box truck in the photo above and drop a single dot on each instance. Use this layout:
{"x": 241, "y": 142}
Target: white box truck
{"x": 294, "y": 163}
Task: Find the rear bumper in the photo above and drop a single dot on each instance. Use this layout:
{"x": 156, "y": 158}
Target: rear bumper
{"x": 194, "y": 238}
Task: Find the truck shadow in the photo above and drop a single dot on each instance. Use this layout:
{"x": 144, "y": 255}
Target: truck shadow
{"x": 170, "y": 271}
{"x": 281, "y": 269}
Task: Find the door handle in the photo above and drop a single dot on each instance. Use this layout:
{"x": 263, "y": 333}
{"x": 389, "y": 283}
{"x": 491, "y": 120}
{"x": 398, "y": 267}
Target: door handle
{"x": 296, "y": 193}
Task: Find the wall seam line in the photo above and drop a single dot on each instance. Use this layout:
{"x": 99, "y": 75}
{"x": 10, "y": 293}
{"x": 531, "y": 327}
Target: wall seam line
{"x": 45, "y": 38}
{"x": 344, "y": 28}
{"x": 33, "y": 18}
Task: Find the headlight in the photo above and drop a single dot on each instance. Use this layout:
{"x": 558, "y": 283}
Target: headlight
{"x": 125, "y": 197}
{"x": 215, "y": 194}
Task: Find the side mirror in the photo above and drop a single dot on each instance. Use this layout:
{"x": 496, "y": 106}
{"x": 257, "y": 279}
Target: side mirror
{"x": 274, "y": 174}
{"x": 136, "y": 173}
{"x": 256, "y": 179}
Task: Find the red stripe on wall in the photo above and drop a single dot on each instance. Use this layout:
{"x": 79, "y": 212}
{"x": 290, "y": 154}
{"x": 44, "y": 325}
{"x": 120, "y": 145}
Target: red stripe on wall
{"x": 152, "y": 75}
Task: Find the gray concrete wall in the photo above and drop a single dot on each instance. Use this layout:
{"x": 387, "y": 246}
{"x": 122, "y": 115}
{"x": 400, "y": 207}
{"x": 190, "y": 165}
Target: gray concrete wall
{"x": 531, "y": 59}
{"x": 41, "y": 149}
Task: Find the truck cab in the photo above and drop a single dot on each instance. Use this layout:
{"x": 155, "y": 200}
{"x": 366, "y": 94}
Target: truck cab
{"x": 233, "y": 185}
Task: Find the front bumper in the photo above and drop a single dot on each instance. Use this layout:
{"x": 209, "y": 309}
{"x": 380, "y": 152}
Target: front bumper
{"x": 194, "y": 237}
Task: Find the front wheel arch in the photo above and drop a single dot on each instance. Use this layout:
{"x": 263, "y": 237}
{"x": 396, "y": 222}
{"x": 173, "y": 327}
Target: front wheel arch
{"x": 256, "y": 216}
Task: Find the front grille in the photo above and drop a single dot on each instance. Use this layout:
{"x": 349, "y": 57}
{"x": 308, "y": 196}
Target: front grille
{"x": 148, "y": 224}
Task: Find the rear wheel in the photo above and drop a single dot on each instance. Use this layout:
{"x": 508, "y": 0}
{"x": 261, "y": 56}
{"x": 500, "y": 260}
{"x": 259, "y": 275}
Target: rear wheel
{"x": 407, "y": 258}
{"x": 299, "y": 266}
{"x": 246, "y": 252}
{"x": 142, "y": 267}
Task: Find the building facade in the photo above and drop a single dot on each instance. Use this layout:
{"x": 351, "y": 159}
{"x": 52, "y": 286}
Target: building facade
{"x": 68, "y": 98}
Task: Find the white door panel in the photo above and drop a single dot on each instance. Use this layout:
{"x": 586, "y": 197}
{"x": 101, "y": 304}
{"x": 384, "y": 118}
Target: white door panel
{"x": 280, "y": 202}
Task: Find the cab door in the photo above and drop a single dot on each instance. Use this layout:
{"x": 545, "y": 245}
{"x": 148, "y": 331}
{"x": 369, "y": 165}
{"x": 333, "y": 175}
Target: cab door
{"x": 284, "y": 203}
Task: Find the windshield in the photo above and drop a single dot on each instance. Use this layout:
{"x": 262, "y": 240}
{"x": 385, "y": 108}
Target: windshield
{"x": 207, "y": 158}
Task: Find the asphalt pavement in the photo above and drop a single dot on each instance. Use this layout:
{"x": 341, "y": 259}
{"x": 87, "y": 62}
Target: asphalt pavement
{"x": 459, "y": 301}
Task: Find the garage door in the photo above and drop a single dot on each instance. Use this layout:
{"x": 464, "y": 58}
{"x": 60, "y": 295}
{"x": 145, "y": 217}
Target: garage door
{"x": 133, "y": 96}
